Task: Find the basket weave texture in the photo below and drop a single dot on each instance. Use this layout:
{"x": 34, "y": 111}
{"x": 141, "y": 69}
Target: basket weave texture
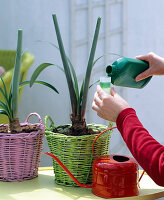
{"x": 7, "y": 60}
{"x": 20, "y": 154}
{"x": 75, "y": 152}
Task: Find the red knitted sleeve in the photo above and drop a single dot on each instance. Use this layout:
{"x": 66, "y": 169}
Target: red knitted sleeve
{"x": 146, "y": 150}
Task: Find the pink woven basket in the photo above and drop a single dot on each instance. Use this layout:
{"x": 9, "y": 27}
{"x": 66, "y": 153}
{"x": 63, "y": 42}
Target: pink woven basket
{"x": 20, "y": 153}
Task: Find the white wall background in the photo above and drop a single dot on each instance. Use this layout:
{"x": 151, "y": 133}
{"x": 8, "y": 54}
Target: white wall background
{"x": 143, "y": 31}
{"x": 145, "y": 34}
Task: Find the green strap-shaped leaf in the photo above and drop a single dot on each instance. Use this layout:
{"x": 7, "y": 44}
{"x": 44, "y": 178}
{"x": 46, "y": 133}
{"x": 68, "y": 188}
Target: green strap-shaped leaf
{"x": 73, "y": 72}
{"x": 5, "y": 108}
{"x": 105, "y": 55}
{"x": 52, "y": 44}
{"x": 97, "y": 60}
{"x": 3, "y": 94}
{"x": 10, "y": 98}
{"x": 39, "y": 82}
{"x": 16, "y": 77}
{"x": 76, "y": 87}
{"x": 72, "y": 69}
{"x": 2, "y": 111}
{"x": 94, "y": 83}
{"x": 89, "y": 67}
{"x": 4, "y": 86}
{"x": 39, "y": 69}
{"x": 66, "y": 66}
{"x": 80, "y": 99}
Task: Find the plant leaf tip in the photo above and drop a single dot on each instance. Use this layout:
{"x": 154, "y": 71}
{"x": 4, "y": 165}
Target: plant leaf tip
{"x": 20, "y": 31}
{"x": 54, "y": 15}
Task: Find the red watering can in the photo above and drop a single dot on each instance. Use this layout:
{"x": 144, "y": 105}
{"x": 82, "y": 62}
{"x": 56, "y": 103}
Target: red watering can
{"x": 114, "y": 176}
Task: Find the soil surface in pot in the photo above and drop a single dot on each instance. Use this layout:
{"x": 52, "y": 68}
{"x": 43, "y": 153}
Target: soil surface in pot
{"x": 78, "y": 127}
{"x": 4, "y": 128}
{"x": 67, "y": 130}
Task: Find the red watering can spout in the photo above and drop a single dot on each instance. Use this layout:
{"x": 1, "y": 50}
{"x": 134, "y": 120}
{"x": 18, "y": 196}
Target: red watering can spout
{"x": 67, "y": 171}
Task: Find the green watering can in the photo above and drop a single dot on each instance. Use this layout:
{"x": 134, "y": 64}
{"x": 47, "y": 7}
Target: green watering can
{"x": 124, "y": 71}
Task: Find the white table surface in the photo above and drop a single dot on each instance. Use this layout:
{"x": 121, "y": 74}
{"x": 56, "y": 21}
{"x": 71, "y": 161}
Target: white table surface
{"x": 44, "y": 188}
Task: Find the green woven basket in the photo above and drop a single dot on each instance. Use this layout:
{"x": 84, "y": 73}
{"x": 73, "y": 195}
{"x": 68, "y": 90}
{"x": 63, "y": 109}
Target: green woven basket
{"x": 75, "y": 152}
{"x": 7, "y": 61}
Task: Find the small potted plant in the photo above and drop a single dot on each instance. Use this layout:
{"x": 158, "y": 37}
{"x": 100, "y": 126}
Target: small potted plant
{"x": 20, "y": 143}
{"x": 7, "y": 61}
{"x": 72, "y": 143}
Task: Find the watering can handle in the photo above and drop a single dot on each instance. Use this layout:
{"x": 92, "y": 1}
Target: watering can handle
{"x": 108, "y": 129}
{"x": 97, "y": 156}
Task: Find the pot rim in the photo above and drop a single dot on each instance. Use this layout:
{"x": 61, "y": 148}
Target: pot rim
{"x": 49, "y": 132}
{"x": 5, "y": 135}
{"x": 32, "y": 133}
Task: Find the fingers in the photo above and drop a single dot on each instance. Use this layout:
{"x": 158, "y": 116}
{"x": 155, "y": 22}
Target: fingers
{"x": 95, "y": 107}
{"x": 101, "y": 115}
{"x": 113, "y": 92}
{"x": 97, "y": 100}
{"x": 143, "y": 57}
{"x": 98, "y": 110}
{"x": 108, "y": 106}
{"x": 150, "y": 57}
{"x": 147, "y": 73}
{"x": 143, "y": 75}
{"x": 100, "y": 92}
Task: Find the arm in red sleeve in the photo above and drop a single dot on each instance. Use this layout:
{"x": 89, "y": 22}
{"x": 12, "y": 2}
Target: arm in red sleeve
{"x": 146, "y": 150}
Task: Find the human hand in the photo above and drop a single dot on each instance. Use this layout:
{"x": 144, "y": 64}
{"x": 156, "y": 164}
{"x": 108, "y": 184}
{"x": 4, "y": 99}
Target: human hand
{"x": 156, "y": 66}
{"x": 108, "y": 106}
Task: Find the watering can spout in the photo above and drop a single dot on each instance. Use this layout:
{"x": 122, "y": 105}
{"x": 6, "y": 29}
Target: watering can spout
{"x": 67, "y": 171}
